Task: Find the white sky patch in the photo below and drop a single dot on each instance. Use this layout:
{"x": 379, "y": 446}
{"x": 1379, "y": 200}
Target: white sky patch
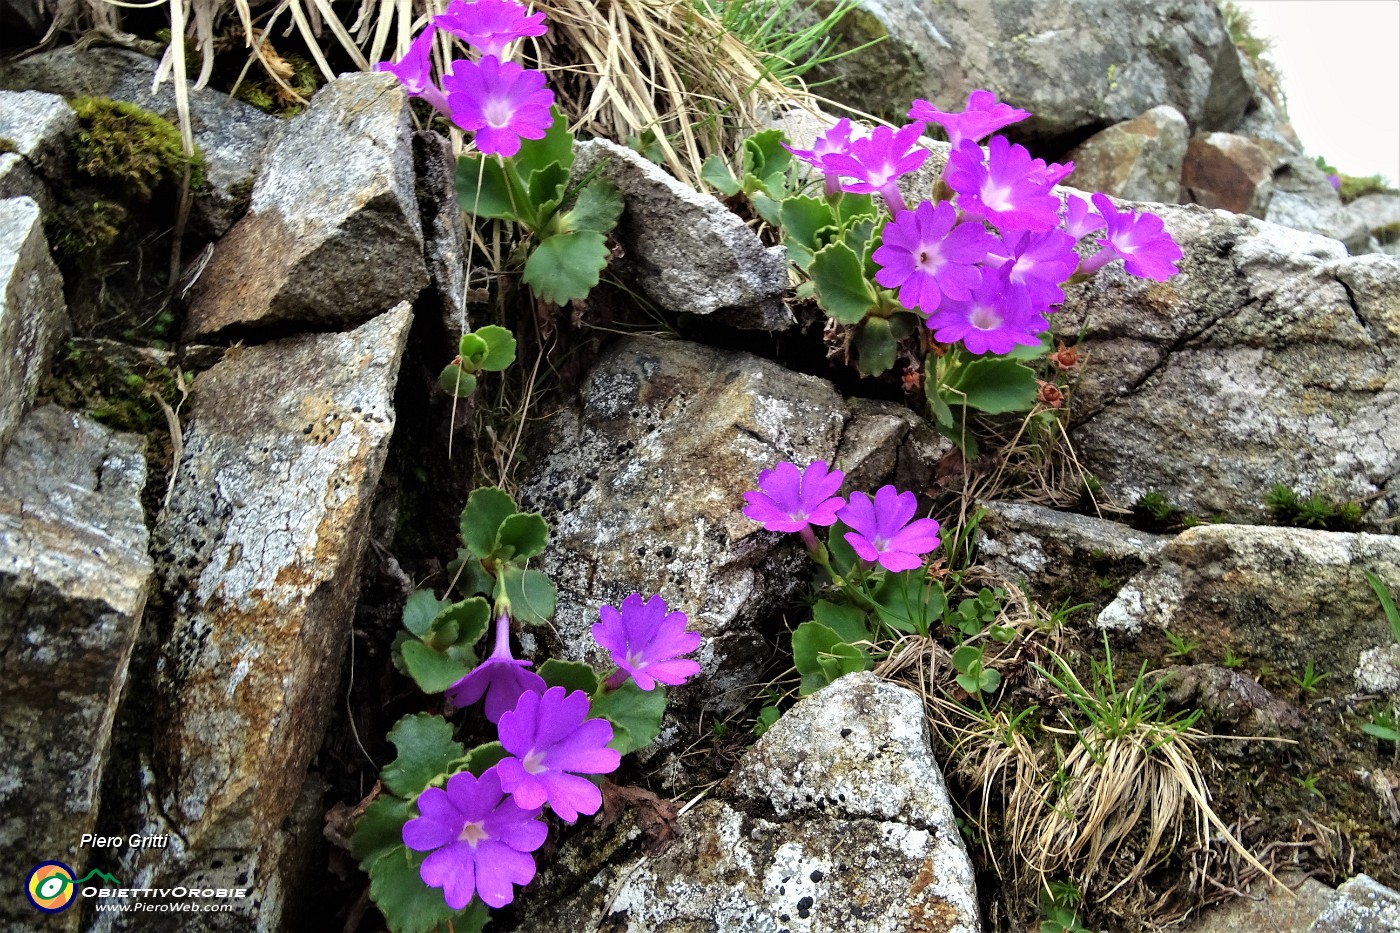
{"x": 1340, "y": 64}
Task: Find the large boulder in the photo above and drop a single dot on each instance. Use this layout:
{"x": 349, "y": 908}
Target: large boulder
{"x": 1271, "y": 358}
{"x": 333, "y": 236}
{"x": 39, "y": 128}
{"x": 232, "y": 135}
{"x": 838, "y": 818}
{"x": 1229, "y": 172}
{"x": 1304, "y": 200}
{"x": 33, "y": 316}
{"x": 1139, "y": 160}
{"x": 74, "y": 577}
{"x": 259, "y": 556}
{"x": 1077, "y": 67}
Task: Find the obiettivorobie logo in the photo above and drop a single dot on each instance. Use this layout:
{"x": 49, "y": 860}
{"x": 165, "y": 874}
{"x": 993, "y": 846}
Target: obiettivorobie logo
{"x": 51, "y": 887}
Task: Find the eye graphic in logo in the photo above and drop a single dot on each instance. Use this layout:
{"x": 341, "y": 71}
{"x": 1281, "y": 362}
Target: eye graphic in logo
{"x": 50, "y": 887}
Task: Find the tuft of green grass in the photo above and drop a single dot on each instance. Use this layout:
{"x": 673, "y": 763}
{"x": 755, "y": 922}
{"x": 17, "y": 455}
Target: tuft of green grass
{"x": 1316, "y": 511}
{"x": 1392, "y": 615}
{"x": 1310, "y": 678}
{"x": 785, "y": 39}
{"x": 1180, "y": 647}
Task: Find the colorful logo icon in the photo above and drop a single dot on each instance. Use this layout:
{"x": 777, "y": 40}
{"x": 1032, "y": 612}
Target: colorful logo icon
{"x": 50, "y": 887}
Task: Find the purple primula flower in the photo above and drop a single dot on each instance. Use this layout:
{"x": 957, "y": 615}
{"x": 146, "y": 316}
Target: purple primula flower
{"x": 983, "y": 115}
{"x": 877, "y": 162}
{"x": 489, "y": 25}
{"x": 1035, "y": 265}
{"x": 835, "y": 140}
{"x": 927, "y": 254}
{"x": 1140, "y": 240}
{"x": 1002, "y": 185}
{"x": 479, "y": 837}
{"x": 415, "y": 72}
{"x": 552, "y": 741}
{"x": 995, "y": 320}
{"x": 646, "y": 641}
{"x": 1335, "y": 181}
{"x": 882, "y": 531}
{"x": 789, "y": 499}
{"x": 1051, "y": 174}
{"x": 499, "y": 101}
{"x": 1080, "y": 219}
{"x": 500, "y": 677}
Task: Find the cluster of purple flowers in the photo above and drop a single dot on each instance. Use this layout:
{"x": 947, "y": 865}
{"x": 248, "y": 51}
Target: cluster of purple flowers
{"x": 883, "y": 530}
{"x": 481, "y": 830}
{"x": 496, "y": 99}
{"x": 985, "y": 269}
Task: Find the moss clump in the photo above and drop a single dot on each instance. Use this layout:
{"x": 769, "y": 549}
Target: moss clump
{"x": 300, "y": 74}
{"x": 122, "y": 143}
{"x": 7, "y": 145}
{"x": 1315, "y": 511}
{"x": 1388, "y": 234}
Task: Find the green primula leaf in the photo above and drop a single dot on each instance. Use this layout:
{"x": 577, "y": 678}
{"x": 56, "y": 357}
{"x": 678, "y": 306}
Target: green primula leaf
{"x": 557, "y": 146}
{"x": 941, "y": 411}
{"x": 842, "y": 290}
{"x": 421, "y": 608}
{"x": 472, "y": 580}
{"x": 908, "y": 602}
{"x": 493, "y": 198}
{"x": 716, "y": 173}
{"x": 766, "y": 717}
{"x": 484, "y": 756}
{"x": 530, "y": 593}
{"x": 1034, "y": 352}
{"x": 456, "y": 382}
{"x": 820, "y": 656}
{"x": 379, "y": 829}
{"x": 598, "y": 207}
{"x": 843, "y": 556}
{"x": 800, "y": 256}
{"x": 500, "y": 347}
{"x": 521, "y": 536}
{"x": 846, "y": 621}
{"x": 547, "y": 187}
{"x": 968, "y": 659}
{"x": 635, "y": 715}
{"x": 765, "y": 207}
{"x": 995, "y": 386}
{"x": 764, "y": 155}
{"x": 875, "y": 347}
{"x": 482, "y": 516}
{"x": 566, "y": 266}
{"x": 850, "y": 206}
{"x": 989, "y": 681}
{"x": 571, "y": 675}
{"x": 409, "y": 905}
{"x": 432, "y": 670}
{"x": 801, "y": 217}
{"x": 472, "y": 349}
{"x": 425, "y": 746}
{"x": 468, "y": 620}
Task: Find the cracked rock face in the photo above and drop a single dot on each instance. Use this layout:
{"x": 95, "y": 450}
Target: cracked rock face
{"x": 837, "y": 819}
{"x": 1271, "y": 358}
{"x": 33, "y": 315}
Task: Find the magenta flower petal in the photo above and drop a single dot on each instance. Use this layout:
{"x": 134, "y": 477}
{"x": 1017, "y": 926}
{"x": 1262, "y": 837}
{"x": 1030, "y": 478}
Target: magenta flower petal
{"x": 1140, "y": 240}
{"x": 642, "y": 637}
{"x": 881, "y": 531}
{"x": 415, "y": 71}
{"x": 500, "y": 678}
{"x": 875, "y": 163}
{"x": 499, "y": 101}
{"x": 791, "y": 499}
{"x": 984, "y": 114}
{"x": 926, "y": 257}
{"x": 1003, "y": 185}
{"x": 1080, "y": 219}
{"x": 551, "y": 741}
{"x": 489, "y": 25}
{"x": 994, "y": 320}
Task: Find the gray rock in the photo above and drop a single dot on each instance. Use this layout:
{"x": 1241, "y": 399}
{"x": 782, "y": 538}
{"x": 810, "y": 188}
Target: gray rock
{"x": 232, "y": 135}
{"x": 888, "y": 443}
{"x": 1228, "y": 172}
{"x": 1362, "y": 905}
{"x": 74, "y": 575}
{"x": 1269, "y": 908}
{"x": 688, "y": 252}
{"x": 259, "y": 553}
{"x": 1304, "y": 200}
{"x": 1380, "y": 215}
{"x": 33, "y": 316}
{"x": 1378, "y": 671}
{"x": 333, "y": 237}
{"x": 838, "y": 818}
{"x": 1139, "y": 160}
{"x": 41, "y": 127}
{"x": 1272, "y": 357}
{"x": 444, "y": 229}
{"x": 17, "y": 179}
{"x": 1285, "y": 596}
{"x": 1077, "y": 67}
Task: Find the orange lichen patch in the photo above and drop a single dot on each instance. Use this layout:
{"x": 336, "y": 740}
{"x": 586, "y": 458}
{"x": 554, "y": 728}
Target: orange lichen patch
{"x": 932, "y": 914}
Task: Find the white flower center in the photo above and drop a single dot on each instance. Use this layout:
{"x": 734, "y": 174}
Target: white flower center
{"x": 533, "y": 763}
{"x": 996, "y": 197}
{"x": 984, "y": 318}
{"x": 498, "y": 113}
{"x": 472, "y": 833}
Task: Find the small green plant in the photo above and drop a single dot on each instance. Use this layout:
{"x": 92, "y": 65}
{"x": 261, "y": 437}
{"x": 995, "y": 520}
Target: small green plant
{"x": 1310, "y": 679}
{"x": 1309, "y": 784}
{"x": 1059, "y": 901}
{"x": 1315, "y": 511}
{"x": 1392, "y": 615}
{"x": 1180, "y": 647}
{"x": 973, "y": 674}
{"x": 1384, "y": 724}
{"x": 1229, "y": 659}
{"x": 488, "y": 349}
{"x": 1156, "y": 512}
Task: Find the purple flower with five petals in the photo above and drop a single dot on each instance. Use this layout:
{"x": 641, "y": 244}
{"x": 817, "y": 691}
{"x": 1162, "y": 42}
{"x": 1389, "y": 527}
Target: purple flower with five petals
{"x": 480, "y": 840}
{"x": 790, "y": 499}
{"x": 552, "y": 741}
{"x": 994, "y": 320}
{"x": 927, "y": 254}
{"x": 501, "y": 678}
{"x": 1035, "y": 265}
{"x": 499, "y": 101}
{"x": 983, "y": 115}
{"x": 1140, "y": 240}
{"x": 1003, "y": 185}
{"x": 415, "y": 72}
{"x": 1080, "y": 219}
{"x": 881, "y": 530}
{"x": 835, "y": 140}
{"x": 646, "y": 642}
{"x": 489, "y": 25}
{"x": 877, "y": 162}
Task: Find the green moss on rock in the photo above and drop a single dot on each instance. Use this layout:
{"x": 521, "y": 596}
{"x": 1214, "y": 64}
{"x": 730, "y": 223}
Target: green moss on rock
{"x": 124, "y": 144}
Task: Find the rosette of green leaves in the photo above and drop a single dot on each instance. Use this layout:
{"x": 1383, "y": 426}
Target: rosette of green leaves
{"x": 498, "y": 541}
{"x": 764, "y": 177}
{"x": 958, "y": 383}
{"x": 568, "y": 224}
{"x": 487, "y": 349}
